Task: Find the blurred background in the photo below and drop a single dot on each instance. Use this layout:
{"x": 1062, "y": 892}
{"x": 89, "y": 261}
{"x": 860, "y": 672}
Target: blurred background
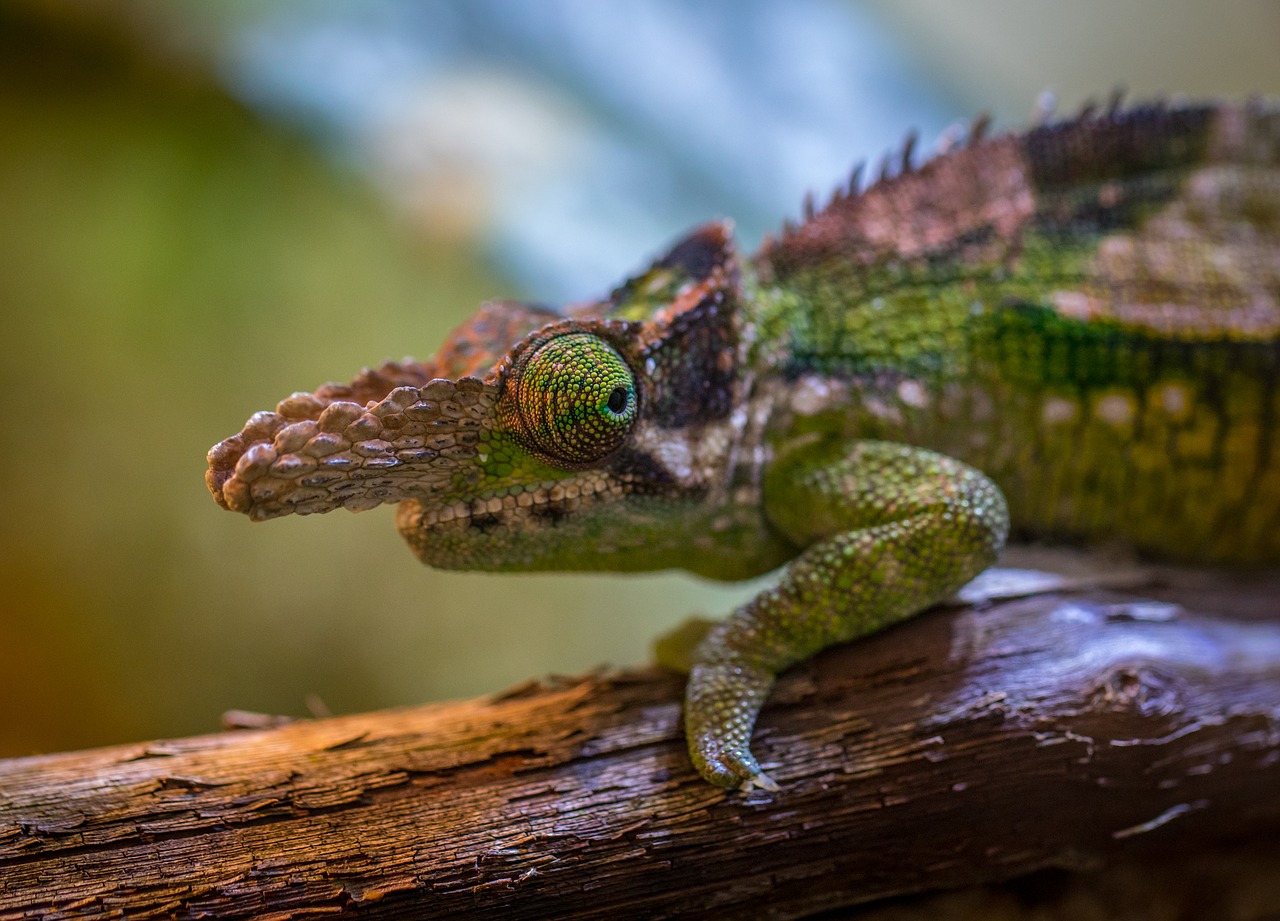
{"x": 207, "y": 205}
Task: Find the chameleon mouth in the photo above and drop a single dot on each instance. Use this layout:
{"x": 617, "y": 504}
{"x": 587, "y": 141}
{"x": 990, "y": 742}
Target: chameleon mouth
{"x": 325, "y": 450}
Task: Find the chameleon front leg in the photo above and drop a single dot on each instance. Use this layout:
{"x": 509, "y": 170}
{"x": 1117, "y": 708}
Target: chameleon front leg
{"x": 887, "y": 530}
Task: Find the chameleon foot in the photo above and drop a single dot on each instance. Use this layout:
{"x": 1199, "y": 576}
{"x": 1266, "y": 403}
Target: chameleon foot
{"x": 721, "y": 704}
{"x": 717, "y": 737}
{"x": 735, "y": 771}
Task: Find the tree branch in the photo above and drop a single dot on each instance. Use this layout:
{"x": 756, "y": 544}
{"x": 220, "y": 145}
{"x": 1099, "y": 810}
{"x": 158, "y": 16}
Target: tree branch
{"x": 965, "y": 746}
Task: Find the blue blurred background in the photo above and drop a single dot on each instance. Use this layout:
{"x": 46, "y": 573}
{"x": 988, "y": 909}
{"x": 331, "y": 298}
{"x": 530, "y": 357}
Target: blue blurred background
{"x": 207, "y": 205}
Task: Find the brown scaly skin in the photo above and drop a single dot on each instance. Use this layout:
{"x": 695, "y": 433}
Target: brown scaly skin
{"x": 1088, "y": 313}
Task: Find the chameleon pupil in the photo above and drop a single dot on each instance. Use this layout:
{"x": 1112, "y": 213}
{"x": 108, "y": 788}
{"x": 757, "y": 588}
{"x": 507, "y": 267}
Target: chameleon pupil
{"x": 617, "y": 400}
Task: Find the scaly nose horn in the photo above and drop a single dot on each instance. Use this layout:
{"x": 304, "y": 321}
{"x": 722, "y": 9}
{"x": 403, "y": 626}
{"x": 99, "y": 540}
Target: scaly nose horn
{"x": 312, "y": 456}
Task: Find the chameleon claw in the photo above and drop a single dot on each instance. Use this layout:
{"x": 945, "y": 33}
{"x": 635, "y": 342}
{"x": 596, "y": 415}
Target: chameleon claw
{"x": 750, "y": 774}
{"x": 761, "y": 781}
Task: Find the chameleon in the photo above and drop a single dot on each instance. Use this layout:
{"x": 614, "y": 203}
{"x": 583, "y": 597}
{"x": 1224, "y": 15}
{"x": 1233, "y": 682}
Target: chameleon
{"x": 1067, "y": 333}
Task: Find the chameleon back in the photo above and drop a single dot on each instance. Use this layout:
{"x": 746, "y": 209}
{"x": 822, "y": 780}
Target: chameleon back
{"x": 1089, "y": 313}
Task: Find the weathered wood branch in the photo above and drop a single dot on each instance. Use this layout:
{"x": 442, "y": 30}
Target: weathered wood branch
{"x": 964, "y": 746}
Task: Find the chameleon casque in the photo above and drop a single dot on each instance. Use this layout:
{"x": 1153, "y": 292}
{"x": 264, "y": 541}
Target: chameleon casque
{"x": 1082, "y": 319}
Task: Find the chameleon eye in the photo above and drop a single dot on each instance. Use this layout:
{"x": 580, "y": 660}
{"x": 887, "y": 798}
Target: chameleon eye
{"x": 574, "y": 400}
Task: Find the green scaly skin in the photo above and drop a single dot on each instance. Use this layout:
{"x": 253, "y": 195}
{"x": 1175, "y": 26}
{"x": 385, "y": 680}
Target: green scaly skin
{"x": 1083, "y": 320}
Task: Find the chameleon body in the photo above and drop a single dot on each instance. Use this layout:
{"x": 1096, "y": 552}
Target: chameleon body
{"x": 1082, "y": 319}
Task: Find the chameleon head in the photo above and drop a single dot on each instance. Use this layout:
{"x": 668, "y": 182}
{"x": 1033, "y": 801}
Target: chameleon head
{"x": 555, "y": 466}
{"x": 585, "y": 444}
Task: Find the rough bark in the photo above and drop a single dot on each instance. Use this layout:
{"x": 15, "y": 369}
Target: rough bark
{"x": 963, "y": 747}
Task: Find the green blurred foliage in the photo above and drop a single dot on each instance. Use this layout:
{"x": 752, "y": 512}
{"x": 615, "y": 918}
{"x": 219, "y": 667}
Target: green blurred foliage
{"x": 170, "y": 263}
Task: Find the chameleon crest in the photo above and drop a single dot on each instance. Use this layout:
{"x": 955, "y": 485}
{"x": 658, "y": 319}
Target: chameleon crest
{"x": 1073, "y": 332}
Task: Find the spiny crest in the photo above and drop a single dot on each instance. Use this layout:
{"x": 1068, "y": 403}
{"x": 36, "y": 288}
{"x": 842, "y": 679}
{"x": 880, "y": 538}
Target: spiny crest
{"x": 976, "y": 184}
{"x": 863, "y": 221}
{"x": 1046, "y": 105}
{"x": 894, "y": 164}
{"x": 899, "y": 163}
{"x": 959, "y": 136}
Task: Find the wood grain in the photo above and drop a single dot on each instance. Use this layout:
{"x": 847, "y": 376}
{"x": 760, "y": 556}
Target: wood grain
{"x": 963, "y": 747}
